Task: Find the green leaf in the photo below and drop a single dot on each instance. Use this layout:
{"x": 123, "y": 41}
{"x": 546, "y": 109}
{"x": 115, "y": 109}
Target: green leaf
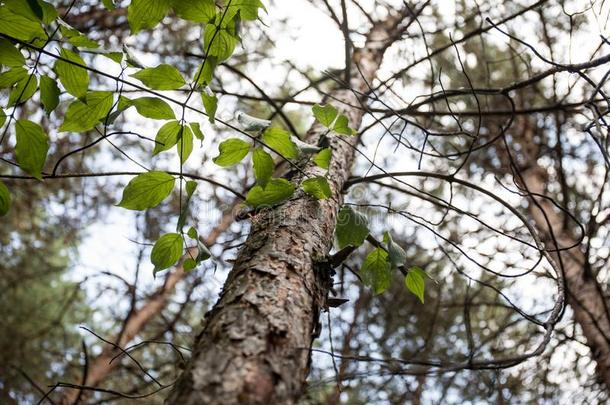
{"x": 342, "y": 126}
{"x": 153, "y": 107}
{"x": 205, "y": 72}
{"x": 33, "y": 10}
{"x": 147, "y": 190}
{"x": 49, "y": 94}
{"x": 75, "y": 79}
{"x": 397, "y": 255}
{"x": 352, "y": 228}
{"x": 210, "y": 103}
{"x": 189, "y": 264}
{"x": 109, "y": 4}
{"x": 2, "y": 117}
{"x": 10, "y": 77}
{"x": 415, "y": 280}
{"x": 23, "y": 91}
{"x": 195, "y": 10}
{"x": 376, "y": 271}
{"x": 167, "y": 137}
{"x": 219, "y": 41}
{"x": 20, "y": 27}
{"x": 279, "y": 140}
{"x": 192, "y": 233}
{"x": 83, "y": 116}
{"x": 325, "y": 114}
{"x": 146, "y": 14}
{"x": 9, "y": 55}
{"x": 191, "y": 186}
{"x": 263, "y": 166}
{"x": 185, "y": 144}
{"x": 232, "y": 151}
{"x": 167, "y": 251}
{"x": 162, "y": 77}
{"x": 5, "y": 199}
{"x": 322, "y": 159}
{"x": 276, "y": 191}
{"x": 317, "y": 187}
{"x": 247, "y": 9}
{"x": 197, "y": 130}
{"x": 32, "y": 147}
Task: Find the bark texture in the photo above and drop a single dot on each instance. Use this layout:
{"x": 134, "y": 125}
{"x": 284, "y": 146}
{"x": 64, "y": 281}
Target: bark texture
{"x": 255, "y": 344}
{"x": 102, "y": 366}
{"x": 586, "y": 297}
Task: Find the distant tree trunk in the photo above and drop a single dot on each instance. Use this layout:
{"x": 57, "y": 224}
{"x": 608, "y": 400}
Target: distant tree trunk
{"x": 255, "y": 344}
{"x": 584, "y": 294}
{"x": 102, "y": 366}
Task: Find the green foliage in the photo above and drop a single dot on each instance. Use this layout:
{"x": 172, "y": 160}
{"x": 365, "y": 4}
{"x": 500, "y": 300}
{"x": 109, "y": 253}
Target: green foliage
{"x": 210, "y": 104}
{"x": 33, "y": 10}
{"x": 167, "y": 251}
{"x": 20, "y": 27}
{"x": 150, "y": 107}
{"x": 9, "y": 78}
{"x": 185, "y": 143}
{"x": 31, "y": 148}
{"x": 162, "y": 77}
{"x": 317, "y": 187}
{"x": 376, "y": 270}
{"x": 191, "y": 186}
{"x": 74, "y": 78}
{"x": 352, "y": 228}
{"x": 49, "y": 94}
{"x": 23, "y": 91}
{"x": 5, "y": 199}
{"x": 196, "y": 128}
{"x": 322, "y": 158}
{"x": 205, "y": 72}
{"x": 415, "y": 280}
{"x": 263, "y": 166}
{"x": 247, "y": 9}
{"x": 9, "y": 55}
{"x": 219, "y": 40}
{"x": 84, "y": 115}
{"x": 147, "y": 190}
{"x": 195, "y": 10}
{"x": 231, "y": 152}
{"x": 2, "y": 117}
{"x": 167, "y": 137}
{"x": 279, "y": 140}
{"x": 328, "y": 116}
{"x": 146, "y": 14}
{"x": 276, "y": 192}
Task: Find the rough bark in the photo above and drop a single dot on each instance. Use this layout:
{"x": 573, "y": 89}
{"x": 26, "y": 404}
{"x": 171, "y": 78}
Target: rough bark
{"x": 102, "y": 366}
{"x": 585, "y": 297}
{"x": 255, "y": 344}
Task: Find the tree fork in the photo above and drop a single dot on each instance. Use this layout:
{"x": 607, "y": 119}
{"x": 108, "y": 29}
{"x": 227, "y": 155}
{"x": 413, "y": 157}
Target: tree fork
{"x": 255, "y": 344}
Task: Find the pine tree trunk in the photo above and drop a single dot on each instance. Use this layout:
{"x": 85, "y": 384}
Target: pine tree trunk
{"x": 255, "y": 344}
{"x": 585, "y": 296}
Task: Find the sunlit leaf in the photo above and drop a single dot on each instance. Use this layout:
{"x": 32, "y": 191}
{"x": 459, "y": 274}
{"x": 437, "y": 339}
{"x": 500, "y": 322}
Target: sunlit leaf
{"x": 162, "y": 77}
{"x": 167, "y": 137}
{"x": 31, "y": 148}
{"x": 146, "y": 14}
{"x": 276, "y": 191}
{"x": 376, "y": 271}
{"x": 10, "y": 55}
{"x": 5, "y": 199}
{"x": 83, "y": 116}
{"x": 415, "y": 280}
{"x": 49, "y": 94}
{"x": 147, "y": 190}
{"x": 279, "y": 140}
{"x": 231, "y": 152}
{"x": 74, "y": 78}
{"x": 325, "y": 114}
{"x": 167, "y": 251}
{"x": 322, "y": 158}
{"x": 317, "y": 187}
{"x": 263, "y": 166}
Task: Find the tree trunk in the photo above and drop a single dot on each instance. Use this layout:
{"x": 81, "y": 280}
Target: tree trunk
{"x": 255, "y": 344}
{"x": 102, "y": 366}
{"x": 585, "y": 296}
